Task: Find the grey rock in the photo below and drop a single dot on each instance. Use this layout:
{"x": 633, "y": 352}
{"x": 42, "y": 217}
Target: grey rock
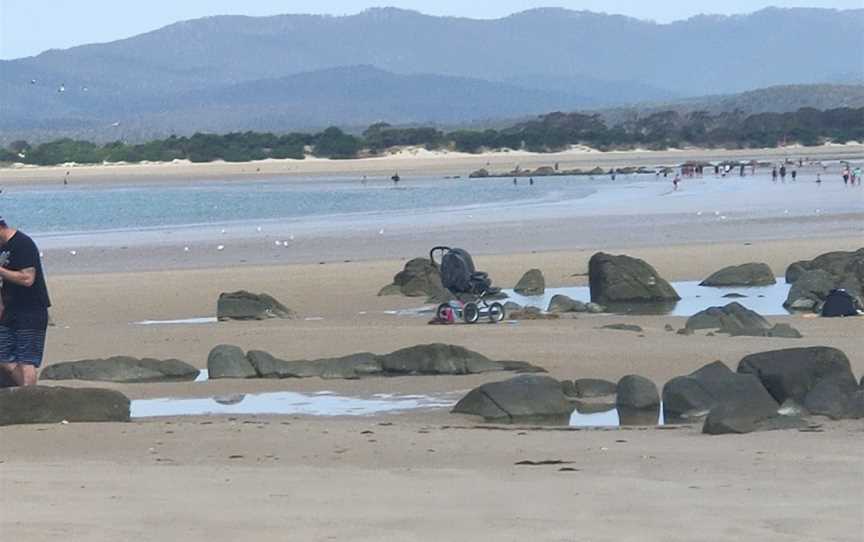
{"x": 668, "y": 327}
{"x": 784, "y": 331}
{"x": 594, "y": 387}
{"x": 732, "y": 419}
{"x": 803, "y": 304}
{"x": 792, "y": 372}
{"x": 525, "y": 397}
{"x": 594, "y": 308}
{"x": 243, "y": 305}
{"x": 637, "y": 392}
{"x": 568, "y": 388}
{"x": 511, "y": 307}
{"x": 832, "y": 397}
{"x": 734, "y": 319}
{"x": 839, "y": 264}
{"x": 121, "y": 369}
{"x": 47, "y": 404}
{"x": 227, "y": 361}
{"x": 623, "y": 327}
{"x": 734, "y": 295}
{"x": 437, "y": 359}
{"x": 532, "y": 313}
{"x": 622, "y": 279}
{"x": 685, "y": 331}
{"x": 561, "y": 304}
{"x": 748, "y": 274}
{"x": 267, "y": 366}
{"x": 712, "y": 386}
{"x": 811, "y": 286}
{"x": 419, "y": 278}
{"x": 531, "y": 283}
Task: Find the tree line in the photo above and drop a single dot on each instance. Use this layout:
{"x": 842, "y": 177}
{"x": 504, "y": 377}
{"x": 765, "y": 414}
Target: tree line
{"x": 547, "y": 133}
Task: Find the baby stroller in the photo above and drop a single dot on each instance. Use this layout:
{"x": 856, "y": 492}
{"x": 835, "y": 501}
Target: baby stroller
{"x": 459, "y": 275}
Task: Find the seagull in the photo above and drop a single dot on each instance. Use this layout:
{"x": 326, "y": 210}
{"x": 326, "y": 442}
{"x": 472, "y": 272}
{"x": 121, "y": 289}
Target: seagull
{"x": 220, "y": 248}
{"x": 291, "y": 237}
{"x": 62, "y": 88}
{"x": 223, "y": 230}
{"x": 32, "y": 81}
{"x": 185, "y": 249}
{"x": 73, "y": 252}
{"x": 381, "y": 231}
{"x": 259, "y": 229}
{"x": 278, "y": 243}
{"x": 116, "y": 124}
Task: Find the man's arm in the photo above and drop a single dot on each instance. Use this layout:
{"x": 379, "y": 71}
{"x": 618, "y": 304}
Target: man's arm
{"x": 25, "y": 277}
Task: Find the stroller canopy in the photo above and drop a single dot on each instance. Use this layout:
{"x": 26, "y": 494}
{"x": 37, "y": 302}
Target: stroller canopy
{"x": 458, "y": 273}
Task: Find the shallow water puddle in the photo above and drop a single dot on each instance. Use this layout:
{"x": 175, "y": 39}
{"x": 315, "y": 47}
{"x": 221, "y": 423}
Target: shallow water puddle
{"x": 201, "y": 320}
{"x": 287, "y": 403}
{"x": 766, "y": 300}
{"x": 617, "y": 418}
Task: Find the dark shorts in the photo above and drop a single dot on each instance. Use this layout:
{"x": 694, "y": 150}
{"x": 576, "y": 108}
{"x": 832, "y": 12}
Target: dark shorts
{"x": 22, "y": 336}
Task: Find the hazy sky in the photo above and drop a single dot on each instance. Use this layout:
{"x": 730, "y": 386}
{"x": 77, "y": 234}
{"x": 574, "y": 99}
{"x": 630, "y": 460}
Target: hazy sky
{"x": 28, "y": 27}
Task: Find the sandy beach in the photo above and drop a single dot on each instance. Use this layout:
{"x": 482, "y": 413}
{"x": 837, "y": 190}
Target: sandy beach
{"x": 429, "y": 474}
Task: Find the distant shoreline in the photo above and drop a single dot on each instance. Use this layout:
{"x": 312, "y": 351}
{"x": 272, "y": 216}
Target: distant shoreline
{"x": 407, "y": 162}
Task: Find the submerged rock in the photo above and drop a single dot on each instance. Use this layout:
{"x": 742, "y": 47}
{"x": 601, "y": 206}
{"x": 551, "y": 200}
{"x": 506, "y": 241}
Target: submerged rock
{"x": 48, "y": 404}
{"x": 732, "y": 419}
{"x": 121, "y": 369}
{"x": 623, "y": 327}
{"x": 243, "y": 305}
{"x": 532, "y": 283}
{"x": 748, "y": 274}
{"x": 622, "y": 279}
{"x": 526, "y": 397}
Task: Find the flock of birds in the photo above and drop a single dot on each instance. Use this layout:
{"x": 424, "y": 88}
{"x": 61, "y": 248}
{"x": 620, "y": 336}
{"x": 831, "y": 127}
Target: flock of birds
{"x": 62, "y": 90}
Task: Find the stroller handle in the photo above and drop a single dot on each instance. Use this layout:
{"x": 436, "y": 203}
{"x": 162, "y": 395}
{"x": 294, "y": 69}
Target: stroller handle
{"x": 432, "y": 254}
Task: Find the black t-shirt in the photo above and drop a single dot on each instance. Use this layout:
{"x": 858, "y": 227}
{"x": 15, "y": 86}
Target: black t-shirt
{"x": 23, "y": 254}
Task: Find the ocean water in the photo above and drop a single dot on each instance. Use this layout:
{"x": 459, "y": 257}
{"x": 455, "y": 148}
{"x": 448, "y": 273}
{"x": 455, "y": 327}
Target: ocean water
{"x": 99, "y": 208}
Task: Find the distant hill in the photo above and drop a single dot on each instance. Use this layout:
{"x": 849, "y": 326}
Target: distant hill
{"x": 779, "y": 99}
{"x": 231, "y": 72}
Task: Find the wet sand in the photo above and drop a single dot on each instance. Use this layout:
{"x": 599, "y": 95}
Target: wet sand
{"x": 426, "y": 475}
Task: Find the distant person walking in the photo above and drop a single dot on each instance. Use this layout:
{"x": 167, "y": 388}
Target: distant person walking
{"x": 794, "y": 174}
{"x": 846, "y": 175}
{"x": 25, "y": 302}
{"x": 675, "y": 182}
{"x": 774, "y": 174}
{"x": 783, "y": 173}
{"x": 857, "y": 175}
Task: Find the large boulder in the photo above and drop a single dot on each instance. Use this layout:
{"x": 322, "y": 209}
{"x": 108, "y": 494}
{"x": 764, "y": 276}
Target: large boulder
{"x": 561, "y": 303}
{"x": 243, "y": 305}
{"x": 737, "y": 320}
{"x": 839, "y": 264}
{"x": 227, "y": 361}
{"x": 792, "y": 373}
{"x": 46, "y": 404}
{"x": 748, "y": 274}
{"x": 525, "y": 397}
{"x": 834, "y": 397}
{"x": 810, "y": 290}
{"x": 637, "y": 392}
{"x": 419, "y": 278}
{"x": 622, "y": 279}
{"x": 531, "y": 283}
{"x": 121, "y": 369}
{"x": 695, "y": 395}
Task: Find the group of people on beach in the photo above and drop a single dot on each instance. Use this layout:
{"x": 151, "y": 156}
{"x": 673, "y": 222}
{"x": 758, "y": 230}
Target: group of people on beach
{"x": 851, "y": 177}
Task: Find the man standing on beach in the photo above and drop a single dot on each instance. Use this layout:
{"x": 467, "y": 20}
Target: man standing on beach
{"x": 25, "y": 302}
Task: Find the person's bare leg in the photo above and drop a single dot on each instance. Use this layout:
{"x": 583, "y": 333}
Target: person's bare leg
{"x": 26, "y": 374}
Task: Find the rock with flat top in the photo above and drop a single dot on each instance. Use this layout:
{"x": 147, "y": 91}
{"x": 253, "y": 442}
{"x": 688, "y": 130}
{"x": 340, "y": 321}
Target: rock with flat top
{"x": 48, "y": 404}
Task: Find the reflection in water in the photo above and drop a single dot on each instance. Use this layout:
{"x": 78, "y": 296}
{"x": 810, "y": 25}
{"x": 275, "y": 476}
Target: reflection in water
{"x": 616, "y": 417}
{"x": 766, "y": 300}
{"x": 319, "y": 404}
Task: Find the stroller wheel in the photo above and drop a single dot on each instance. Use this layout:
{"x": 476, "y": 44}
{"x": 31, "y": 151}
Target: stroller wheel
{"x": 496, "y": 313}
{"x": 471, "y": 313}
